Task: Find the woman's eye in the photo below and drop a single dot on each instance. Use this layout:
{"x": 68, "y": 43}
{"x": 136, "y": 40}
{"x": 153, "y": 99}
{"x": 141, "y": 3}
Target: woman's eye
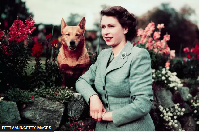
{"x": 110, "y": 26}
{"x": 103, "y": 26}
{"x": 77, "y": 35}
{"x": 67, "y": 34}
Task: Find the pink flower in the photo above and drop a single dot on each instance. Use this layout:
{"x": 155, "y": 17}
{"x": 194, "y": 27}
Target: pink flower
{"x": 167, "y": 50}
{"x": 150, "y": 40}
{"x": 156, "y": 35}
{"x": 143, "y": 40}
{"x": 166, "y": 37}
{"x": 149, "y": 29}
{"x": 159, "y": 26}
{"x": 140, "y": 32}
{"x": 158, "y": 44}
{"x": 172, "y": 54}
{"x": 167, "y": 64}
{"x": 186, "y": 50}
{"x": 149, "y": 46}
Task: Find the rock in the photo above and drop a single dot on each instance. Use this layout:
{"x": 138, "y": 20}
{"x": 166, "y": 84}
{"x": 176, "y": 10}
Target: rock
{"x": 9, "y": 113}
{"x": 164, "y": 97}
{"x": 44, "y": 112}
{"x": 184, "y": 92}
{"x": 77, "y": 107}
{"x": 188, "y": 123}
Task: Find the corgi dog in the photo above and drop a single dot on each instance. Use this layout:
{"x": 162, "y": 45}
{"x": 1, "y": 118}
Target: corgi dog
{"x": 73, "y": 58}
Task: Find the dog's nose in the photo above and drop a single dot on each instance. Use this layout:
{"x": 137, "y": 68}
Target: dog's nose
{"x": 72, "y": 43}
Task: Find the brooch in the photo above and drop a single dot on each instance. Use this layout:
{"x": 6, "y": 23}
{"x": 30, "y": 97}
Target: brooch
{"x": 123, "y": 55}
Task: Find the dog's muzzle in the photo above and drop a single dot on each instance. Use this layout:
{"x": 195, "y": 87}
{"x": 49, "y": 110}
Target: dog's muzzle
{"x": 72, "y": 45}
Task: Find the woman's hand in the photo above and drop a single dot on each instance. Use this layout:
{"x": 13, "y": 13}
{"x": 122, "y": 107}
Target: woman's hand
{"x": 96, "y": 108}
{"x": 107, "y": 116}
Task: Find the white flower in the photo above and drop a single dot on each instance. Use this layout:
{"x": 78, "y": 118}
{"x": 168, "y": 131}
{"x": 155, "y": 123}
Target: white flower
{"x": 170, "y": 123}
{"x": 1, "y": 98}
{"x": 175, "y": 125}
{"x": 183, "y": 109}
{"x": 180, "y": 85}
{"x": 153, "y": 70}
{"x": 182, "y": 113}
{"x": 175, "y": 88}
{"x": 163, "y": 78}
{"x": 195, "y": 111}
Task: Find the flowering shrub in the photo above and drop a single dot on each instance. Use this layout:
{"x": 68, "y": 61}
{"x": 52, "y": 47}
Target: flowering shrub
{"x": 166, "y": 78}
{"x": 189, "y": 66}
{"x": 60, "y": 94}
{"x": 170, "y": 116}
{"x": 158, "y": 49}
{"x": 18, "y": 95}
{"x": 14, "y": 55}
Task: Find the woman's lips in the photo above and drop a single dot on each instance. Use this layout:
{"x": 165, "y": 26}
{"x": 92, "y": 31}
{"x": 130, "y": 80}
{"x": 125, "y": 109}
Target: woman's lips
{"x": 108, "y": 38}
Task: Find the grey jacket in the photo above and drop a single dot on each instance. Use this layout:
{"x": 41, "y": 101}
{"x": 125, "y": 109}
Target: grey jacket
{"x": 125, "y": 88}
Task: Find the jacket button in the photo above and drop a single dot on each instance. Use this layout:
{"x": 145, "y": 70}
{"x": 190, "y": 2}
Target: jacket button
{"x": 103, "y": 87}
{"x": 106, "y": 104}
{"x": 105, "y": 96}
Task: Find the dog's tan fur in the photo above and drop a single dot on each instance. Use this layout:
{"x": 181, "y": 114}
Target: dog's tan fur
{"x": 73, "y": 53}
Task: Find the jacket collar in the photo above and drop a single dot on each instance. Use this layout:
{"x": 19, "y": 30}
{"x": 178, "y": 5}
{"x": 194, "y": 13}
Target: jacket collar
{"x": 118, "y": 62}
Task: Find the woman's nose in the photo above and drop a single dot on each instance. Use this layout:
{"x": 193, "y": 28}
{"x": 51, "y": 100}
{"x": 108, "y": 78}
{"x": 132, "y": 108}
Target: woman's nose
{"x": 105, "y": 31}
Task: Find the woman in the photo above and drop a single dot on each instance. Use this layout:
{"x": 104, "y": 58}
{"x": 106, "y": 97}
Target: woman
{"x": 118, "y": 87}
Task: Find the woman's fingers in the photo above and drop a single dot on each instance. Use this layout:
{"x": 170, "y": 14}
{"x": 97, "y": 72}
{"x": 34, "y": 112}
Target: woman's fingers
{"x": 99, "y": 116}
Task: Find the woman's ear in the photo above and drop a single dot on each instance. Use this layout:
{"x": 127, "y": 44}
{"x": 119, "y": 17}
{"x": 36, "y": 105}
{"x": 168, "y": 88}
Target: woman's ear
{"x": 125, "y": 30}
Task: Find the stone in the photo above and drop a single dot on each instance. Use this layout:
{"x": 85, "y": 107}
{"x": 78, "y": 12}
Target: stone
{"x": 77, "y": 107}
{"x": 45, "y": 112}
{"x": 184, "y": 92}
{"x": 164, "y": 98}
{"x": 9, "y": 113}
{"x": 188, "y": 123}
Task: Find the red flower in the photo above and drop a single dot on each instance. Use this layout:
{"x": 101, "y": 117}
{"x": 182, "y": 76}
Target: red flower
{"x": 188, "y": 56}
{"x": 19, "y": 31}
{"x": 30, "y": 25}
{"x": 54, "y": 43}
{"x": 1, "y": 33}
{"x": 37, "y": 49}
{"x": 48, "y": 36}
{"x": 186, "y": 50}
{"x": 32, "y": 97}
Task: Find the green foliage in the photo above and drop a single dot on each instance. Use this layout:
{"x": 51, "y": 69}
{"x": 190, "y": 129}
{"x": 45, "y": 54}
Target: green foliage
{"x": 18, "y": 95}
{"x": 189, "y": 69}
{"x": 157, "y": 60}
{"x": 13, "y": 65}
{"x": 60, "y": 94}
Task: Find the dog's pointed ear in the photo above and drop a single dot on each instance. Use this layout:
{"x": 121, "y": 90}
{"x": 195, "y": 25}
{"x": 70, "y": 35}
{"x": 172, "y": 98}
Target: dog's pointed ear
{"x": 82, "y": 23}
{"x": 63, "y": 25}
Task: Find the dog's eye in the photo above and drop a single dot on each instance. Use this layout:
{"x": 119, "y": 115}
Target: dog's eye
{"x": 67, "y": 34}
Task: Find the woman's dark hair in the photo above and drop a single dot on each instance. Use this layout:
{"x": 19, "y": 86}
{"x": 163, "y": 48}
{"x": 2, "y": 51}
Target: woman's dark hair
{"x": 126, "y": 19}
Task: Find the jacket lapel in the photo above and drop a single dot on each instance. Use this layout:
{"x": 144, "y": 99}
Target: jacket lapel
{"x": 104, "y": 61}
{"x": 121, "y": 59}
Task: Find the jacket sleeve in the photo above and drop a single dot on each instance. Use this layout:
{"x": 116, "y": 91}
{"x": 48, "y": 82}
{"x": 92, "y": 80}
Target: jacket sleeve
{"x": 85, "y": 82}
{"x": 141, "y": 92}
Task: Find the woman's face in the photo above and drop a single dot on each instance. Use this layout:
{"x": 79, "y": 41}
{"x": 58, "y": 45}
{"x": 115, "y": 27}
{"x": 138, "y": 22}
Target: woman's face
{"x": 112, "y": 31}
